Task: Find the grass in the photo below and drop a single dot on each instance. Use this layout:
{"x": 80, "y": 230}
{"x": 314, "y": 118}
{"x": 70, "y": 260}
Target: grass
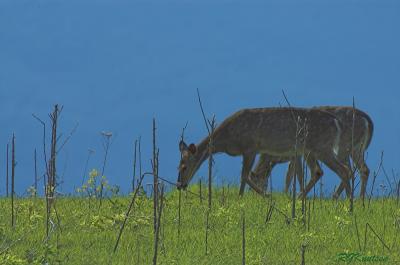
{"x": 85, "y": 235}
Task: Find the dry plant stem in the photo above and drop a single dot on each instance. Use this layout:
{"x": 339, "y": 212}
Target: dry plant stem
{"x": 295, "y": 175}
{"x": 134, "y": 167}
{"x": 7, "y": 152}
{"x": 12, "y": 180}
{"x": 46, "y": 191}
{"x": 202, "y": 111}
{"x": 388, "y": 180}
{"x": 68, "y": 137}
{"x": 394, "y": 180}
{"x": 358, "y": 234}
{"x": 107, "y": 148}
{"x": 157, "y": 235}
{"x": 51, "y": 172}
{"x": 287, "y": 219}
{"x": 374, "y": 179}
{"x": 210, "y": 163}
{"x": 313, "y": 200}
{"x": 243, "y": 239}
{"x": 304, "y": 197}
{"x": 174, "y": 184}
{"x": 210, "y": 146}
{"x": 352, "y": 155}
{"x": 200, "y": 191}
{"x": 180, "y": 191}
{"x": 90, "y": 152}
{"x": 6, "y": 249}
{"x": 270, "y": 211}
{"x": 44, "y": 142}
{"x": 52, "y": 165}
{"x": 58, "y": 217}
{"x": 179, "y": 213}
{"x": 309, "y": 215}
{"x": 367, "y": 225}
{"x": 303, "y": 254}
{"x": 128, "y": 211}
{"x": 140, "y": 156}
{"x": 36, "y": 178}
{"x": 321, "y": 192}
{"x": 155, "y": 178}
{"x": 207, "y": 227}
{"x": 398, "y": 192}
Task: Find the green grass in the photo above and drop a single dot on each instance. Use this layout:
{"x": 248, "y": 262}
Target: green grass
{"x": 85, "y": 235}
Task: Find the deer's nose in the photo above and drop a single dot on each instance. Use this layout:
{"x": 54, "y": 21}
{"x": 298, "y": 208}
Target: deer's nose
{"x": 181, "y": 185}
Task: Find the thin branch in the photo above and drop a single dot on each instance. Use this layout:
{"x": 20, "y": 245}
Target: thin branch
{"x": 68, "y": 137}
{"x": 128, "y": 212}
{"x": 202, "y": 111}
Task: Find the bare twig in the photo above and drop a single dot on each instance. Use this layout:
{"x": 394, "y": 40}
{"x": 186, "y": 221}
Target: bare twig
{"x": 183, "y": 131}
{"x": 207, "y": 227}
{"x": 202, "y": 111}
{"x": 90, "y": 152}
{"x": 398, "y": 192}
{"x": 12, "y": 180}
{"x": 373, "y": 181}
{"x": 44, "y": 142}
{"x": 270, "y": 211}
{"x": 157, "y": 235}
{"x": 171, "y": 183}
{"x": 295, "y": 166}
{"x": 210, "y": 162}
{"x": 7, "y": 185}
{"x": 179, "y": 212}
{"x": 140, "y": 156}
{"x": 200, "y": 192}
{"x": 358, "y": 234}
{"x": 367, "y": 225}
{"x": 134, "y": 166}
{"x": 128, "y": 212}
{"x": 287, "y": 219}
{"x": 155, "y": 178}
{"x": 303, "y": 254}
{"x": 36, "y": 178}
{"x": 106, "y": 145}
{"x": 68, "y": 137}
{"x": 243, "y": 238}
{"x": 388, "y": 180}
{"x": 52, "y": 172}
{"x": 352, "y": 155}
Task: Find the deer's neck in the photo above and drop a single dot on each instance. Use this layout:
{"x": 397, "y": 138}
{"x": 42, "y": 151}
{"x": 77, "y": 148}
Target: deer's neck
{"x": 203, "y": 149}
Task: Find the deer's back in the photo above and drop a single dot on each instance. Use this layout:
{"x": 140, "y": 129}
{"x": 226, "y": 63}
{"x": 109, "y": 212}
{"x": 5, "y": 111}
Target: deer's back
{"x": 278, "y": 130}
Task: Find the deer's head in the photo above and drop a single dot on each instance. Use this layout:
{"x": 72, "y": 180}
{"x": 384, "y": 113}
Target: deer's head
{"x": 187, "y": 165}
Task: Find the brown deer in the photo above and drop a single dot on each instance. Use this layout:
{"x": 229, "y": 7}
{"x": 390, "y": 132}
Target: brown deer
{"x": 274, "y": 131}
{"x": 356, "y": 137}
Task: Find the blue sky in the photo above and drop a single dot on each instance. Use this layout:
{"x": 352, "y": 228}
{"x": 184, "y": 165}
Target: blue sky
{"x": 114, "y": 65}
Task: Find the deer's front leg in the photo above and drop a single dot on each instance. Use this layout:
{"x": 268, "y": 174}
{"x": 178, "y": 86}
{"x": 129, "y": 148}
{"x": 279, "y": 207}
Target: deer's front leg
{"x": 248, "y": 161}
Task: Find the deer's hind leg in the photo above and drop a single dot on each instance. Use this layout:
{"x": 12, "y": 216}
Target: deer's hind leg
{"x": 248, "y": 161}
{"x": 262, "y": 170}
{"x": 295, "y": 167}
{"x": 342, "y": 185}
{"x": 340, "y": 168}
{"x": 316, "y": 173}
{"x": 359, "y": 161}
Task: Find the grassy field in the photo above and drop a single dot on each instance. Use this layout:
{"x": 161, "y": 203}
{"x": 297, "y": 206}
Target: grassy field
{"x": 81, "y": 233}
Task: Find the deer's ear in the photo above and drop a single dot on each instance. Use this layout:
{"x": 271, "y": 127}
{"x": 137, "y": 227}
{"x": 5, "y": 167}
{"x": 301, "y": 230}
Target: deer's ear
{"x": 192, "y": 148}
{"x": 182, "y": 146}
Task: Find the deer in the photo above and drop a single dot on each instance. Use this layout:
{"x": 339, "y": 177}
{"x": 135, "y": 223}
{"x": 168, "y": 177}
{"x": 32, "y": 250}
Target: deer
{"x": 356, "y": 137}
{"x": 272, "y": 131}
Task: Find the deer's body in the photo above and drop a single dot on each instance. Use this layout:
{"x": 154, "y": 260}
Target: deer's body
{"x": 352, "y": 145}
{"x": 274, "y": 131}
